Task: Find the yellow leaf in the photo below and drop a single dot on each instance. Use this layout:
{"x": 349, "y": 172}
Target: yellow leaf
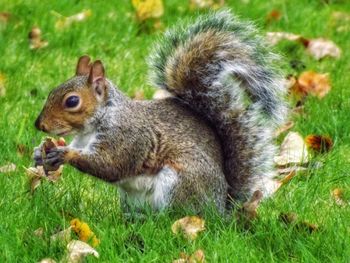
{"x": 146, "y": 9}
{"x": 84, "y": 232}
{"x": 190, "y": 226}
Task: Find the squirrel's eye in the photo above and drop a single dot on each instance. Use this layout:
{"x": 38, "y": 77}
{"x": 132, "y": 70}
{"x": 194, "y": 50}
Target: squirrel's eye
{"x": 72, "y": 101}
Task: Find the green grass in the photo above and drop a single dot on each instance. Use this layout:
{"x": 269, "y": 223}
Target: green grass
{"x": 112, "y": 35}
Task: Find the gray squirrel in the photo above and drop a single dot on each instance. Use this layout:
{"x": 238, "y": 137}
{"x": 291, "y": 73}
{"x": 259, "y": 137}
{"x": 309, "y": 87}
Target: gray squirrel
{"x": 212, "y": 141}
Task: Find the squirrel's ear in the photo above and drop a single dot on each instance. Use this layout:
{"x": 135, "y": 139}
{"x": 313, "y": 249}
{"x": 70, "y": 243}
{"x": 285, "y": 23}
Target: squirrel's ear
{"x": 83, "y": 66}
{"x": 97, "y": 79}
{"x": 97, "y": 71}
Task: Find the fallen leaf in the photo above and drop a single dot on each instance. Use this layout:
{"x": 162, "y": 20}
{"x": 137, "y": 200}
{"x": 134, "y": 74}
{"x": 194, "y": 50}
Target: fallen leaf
{"x": 293, "y": 150}
{"x": 47, "y": 260}
{"x": 39, "y": 232}
{"x": 37, "y": 174}
{"x": 205, "y": 4}
{"x": 319, "y": 143}
{"x": 292, "y": 219}
{"x": 274, "y": 15}
{"x": 338, "y": 196}
{"x": 275, "y": 37}
{"x": 4, "y": 17}
{"x": 287, "y": 170}
{"x": 340, "y": 21}
{"x": 35, "y": 41}
{"x": 248, "y": 213}
{"x": 84, "y": 232}
{"x": 63, "y": 236}
{"x": 78, "y": 250}
{"x": 65, "y": 22}
{"x": 161, "y": 94}
{"x": 2, "y": 85}
{"x": 197, "y": 257}
{"x": 8, "y": 168}
{"x": 146, "y": 9}
{"x": 139, "y": 95}
{"x": 190, "y": 226}
{"x": 285, "y": 127}
{"x": 320, "y": 48}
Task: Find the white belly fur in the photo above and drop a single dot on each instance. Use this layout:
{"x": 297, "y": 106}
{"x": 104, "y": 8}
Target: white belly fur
{"x": 152, "y": 190}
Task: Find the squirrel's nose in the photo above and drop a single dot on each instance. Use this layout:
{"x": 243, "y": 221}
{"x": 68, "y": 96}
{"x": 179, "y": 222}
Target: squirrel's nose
{"x": 39, "y": 125}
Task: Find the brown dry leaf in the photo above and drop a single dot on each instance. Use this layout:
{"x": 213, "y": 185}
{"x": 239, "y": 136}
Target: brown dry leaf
{"x": 197, "y": 257}
{"x": 35, "y": 41}
{"x": 4, "y": 17}
{"x": 36, "y": 174}
{"x": 190, "y": 226}
{"x": 47, "y": 260}
{"x": 161, "y": 94}
{"x": 139, "y": 95}
{"x": 285, "y": 127}
{"x": 78, "y": 250}
{"x": 39, "y": 232}
{"x": 205, "y": 4}
{"x": 249, "y": 207}
{"x": 319, "y": 143}
{"x": 288, "y": 170}
{"x": 8, "y": 168}
{"x": 84, "y": 232}
{"x": 62, "y": 236}
{"x": 338, "y": 196}
{"x": 2, "y": 85}
{"x": 65, "y": 22}
{"x": 321, "y": 47}
{"x": 274, "y": 15}
{"x": 293, "y": 150}
{"x": 340, "y": 21}
{"x": 292, "y": 219}
{"x": 275, "y": 37}
{"x": 310, "y": 82}
{"x": 146, "y": 9}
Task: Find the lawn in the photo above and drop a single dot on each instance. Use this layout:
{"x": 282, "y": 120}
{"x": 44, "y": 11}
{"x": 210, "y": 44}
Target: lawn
{"x": 111, "y": 34}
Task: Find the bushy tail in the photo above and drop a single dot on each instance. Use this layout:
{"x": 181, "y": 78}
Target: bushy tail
{"x": 223, "y": 70}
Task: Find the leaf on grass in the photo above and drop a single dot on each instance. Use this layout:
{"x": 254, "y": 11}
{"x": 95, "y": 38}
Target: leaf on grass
{"x": 285, "y": 127}
{"x": 65, "y": 22}
{"x": 47, "y": 260}
{"x": 321, "y": 47}
{"x": 84, "y": 232}
{"x": 275, "y": 37}
{"x": 161, "y": 94}
{"x": 35, "y": 41}
{"x": 293, "y": 150}
{"x": 63, "y": 236}
{"x": 78, "y": 250}
{"x": 190, "y": 226}
{"x": 288, "y": 170}
{"x": 338, "y": 196}
{"x": 4, "y": 17}
{"x": 39, "y": 232}
{"x": 319, "y": 143}
{"x": 8, "y": 168}
{"x": 2, "y": 85}
{"x": 340, "y": 21}
{"x": 146, "y": 9}
{"x": 315, "y": 84}
{"x": 248, "y": 211}
{"x": 205, "y": 4}
{"x": 274, "y": 15}
{"x": 197, "y": 257}
{"x": 139, "y": 95}
{"x": 292, "y": 219}
{"x": 37, "y": 174}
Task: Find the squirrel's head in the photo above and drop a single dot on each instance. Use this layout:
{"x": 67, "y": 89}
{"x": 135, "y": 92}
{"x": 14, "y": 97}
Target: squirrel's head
{"x": 70, "y": 105}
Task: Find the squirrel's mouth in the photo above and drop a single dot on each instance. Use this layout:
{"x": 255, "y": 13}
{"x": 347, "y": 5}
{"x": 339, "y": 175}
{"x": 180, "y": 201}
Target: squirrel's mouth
{"x": 62, "y": 132}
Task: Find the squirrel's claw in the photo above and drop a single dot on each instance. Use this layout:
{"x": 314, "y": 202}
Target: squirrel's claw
{"x": 55, "y": 157}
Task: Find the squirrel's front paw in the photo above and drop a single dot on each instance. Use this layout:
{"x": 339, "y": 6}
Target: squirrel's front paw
{"x": 55, "y": 157}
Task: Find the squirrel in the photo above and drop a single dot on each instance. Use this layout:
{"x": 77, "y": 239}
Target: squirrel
{"x": 211, "y": 141}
